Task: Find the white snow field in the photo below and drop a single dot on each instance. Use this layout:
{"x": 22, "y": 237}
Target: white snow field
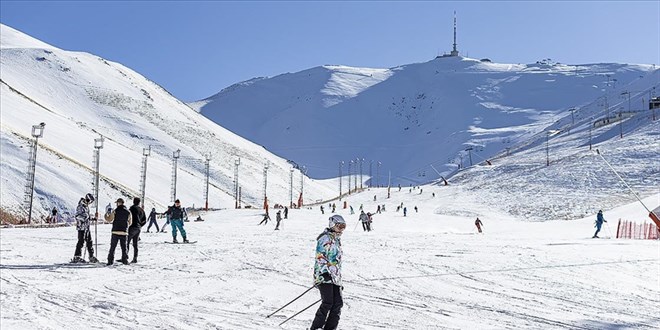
{"x": 423, "y": 271}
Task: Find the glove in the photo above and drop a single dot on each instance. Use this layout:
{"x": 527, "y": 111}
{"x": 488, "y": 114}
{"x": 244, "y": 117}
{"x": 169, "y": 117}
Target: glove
{"x": 326, "y": 277}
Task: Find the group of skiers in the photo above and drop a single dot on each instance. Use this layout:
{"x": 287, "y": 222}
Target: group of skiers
{"x": 127, "y": 224}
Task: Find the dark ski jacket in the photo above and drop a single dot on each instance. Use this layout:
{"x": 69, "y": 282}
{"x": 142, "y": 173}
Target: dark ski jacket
{"x": 175, "y": 212}
{"x": 121, "y": 219}
{"x": 138, "y": 216}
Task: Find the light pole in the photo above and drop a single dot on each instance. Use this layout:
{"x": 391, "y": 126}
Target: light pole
{"x": 350, "y": 164}
{"x": 146, "y": 152}
{"x": 361, "y": 180}
{"x": 37, "y": 132}
{"x": 291, "y": 188}
{"x": 206, "y": 190}
{"x": 98, "y": 145}
{"x": 371, "y": 176}
{"x": 236, "y": 163}
{"x": 266, "y": 185}
{"x": 341, "y": 165}
{"x": 355, "y": 168}
{"x": 621, "y": 114}
{"x": 175, "y": 158}
{"x": 303, "y": 172}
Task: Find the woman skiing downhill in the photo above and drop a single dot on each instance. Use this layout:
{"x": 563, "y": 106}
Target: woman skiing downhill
{"x": 327, "y": 274}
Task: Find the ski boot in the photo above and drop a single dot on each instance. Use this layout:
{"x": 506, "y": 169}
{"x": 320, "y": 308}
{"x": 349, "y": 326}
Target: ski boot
{"x": 185, "y": 240}
{"x": 93, "y": 259}
{"x": 134, "y": 261}
{"x": 174, "y": 240}
{"x": 77, "y": 259}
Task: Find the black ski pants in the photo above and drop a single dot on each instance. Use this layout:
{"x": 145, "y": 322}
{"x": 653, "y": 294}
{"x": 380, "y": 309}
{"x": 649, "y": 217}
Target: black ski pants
{"x": 84, "y": 236}
{"x": 134, "y": 236}
{"x": 121, "y": 239}
{"x": 327, "y": 316}
{"x": 365, "y": 225}
{"x": 153, "y": 222}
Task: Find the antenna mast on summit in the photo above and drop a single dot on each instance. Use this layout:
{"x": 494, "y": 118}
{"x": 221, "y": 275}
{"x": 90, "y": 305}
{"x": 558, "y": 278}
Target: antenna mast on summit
{"x": 454, "y": 51}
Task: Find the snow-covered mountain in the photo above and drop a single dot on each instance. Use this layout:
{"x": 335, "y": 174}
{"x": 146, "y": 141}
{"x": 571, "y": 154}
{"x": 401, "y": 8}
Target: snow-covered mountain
{"x": 79, "y": 97}
{"x": 416, "y": 116}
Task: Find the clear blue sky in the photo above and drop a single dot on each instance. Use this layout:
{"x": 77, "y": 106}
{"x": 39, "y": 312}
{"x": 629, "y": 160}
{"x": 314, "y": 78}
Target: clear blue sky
{"x": 196, "y": 48}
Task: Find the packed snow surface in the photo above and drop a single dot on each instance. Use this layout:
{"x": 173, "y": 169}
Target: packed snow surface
{"x": 422, "y": 271}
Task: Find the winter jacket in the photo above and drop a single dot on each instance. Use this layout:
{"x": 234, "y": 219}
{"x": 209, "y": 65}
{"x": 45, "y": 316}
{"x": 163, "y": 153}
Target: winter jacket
{"x": 121, "y": 219}
{"x": 364, "y": 217}
{"x": 138, "y": 217}
{"x": 152, "y": 216}
{"x": 328, "y": 258}
{"x": 82, "y": 215}
{"x": 600, "y": 219}
{"x": 176, "y": 212}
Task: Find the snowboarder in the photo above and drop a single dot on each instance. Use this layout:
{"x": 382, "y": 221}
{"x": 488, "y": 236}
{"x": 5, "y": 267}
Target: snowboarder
{"x": 82, "y": 225}
{"x": 365, "y": 221}
{"x": 121, "y": 219}
{"x": 599, "y": 222}
{"x": 478, "y": 223}
{"x": 137, "y": 221}
{"x": 278, "y": 218}
{"x": 152, "y": 220}
{"x": 286, "y": 212}
{"x": 176, "y": 218}
{"x": 327, "y": 274}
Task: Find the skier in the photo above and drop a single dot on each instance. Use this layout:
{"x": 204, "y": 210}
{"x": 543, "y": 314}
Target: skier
{"x": 599, "y": 222}
{"x": 369, "y": 220}
{"x": 152, "y": 220}
{"x": 415, "y": 208}
{"x": 378, "y": 209}
{"x": 177, "y": 215}
{"x": 54, "y": 218}
{"x": 137, "y": 221}
{"x": 121, "y": 219}
{"x": 365, "y": 221}
{"x": 352, "y": 212}
{"x": 327, "y": 274}
{"x": 361, "y": 207}
{"x": 333, "y": 207}
{"x": 322, "y": 212}
{"x": 82, "y": 225}
{"x": 286, "y": 212}
{"x": 478, "y": 223}
{"x": 265, "y": 220}
{"x": 405, "y": 211}
{"x": 278, "y": 218}
{"x": 382, "y": 209}
{"x": 374, "y": 198}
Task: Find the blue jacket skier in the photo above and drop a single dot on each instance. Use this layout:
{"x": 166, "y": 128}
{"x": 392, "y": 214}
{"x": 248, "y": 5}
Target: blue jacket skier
{"x": 599, "y": 222}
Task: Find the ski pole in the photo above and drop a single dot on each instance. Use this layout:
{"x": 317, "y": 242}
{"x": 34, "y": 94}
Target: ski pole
{"x": 296, "y": 314}
{"x": 289, "y": 303}
{"x": 608, "y": 229}
{"x": 356, "y": 225}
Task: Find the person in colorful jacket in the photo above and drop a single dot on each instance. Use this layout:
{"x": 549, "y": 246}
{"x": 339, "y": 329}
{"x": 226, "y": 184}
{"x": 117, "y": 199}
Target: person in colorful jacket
{"x": 327, "y": 274}
{"x": 82, "y": 225}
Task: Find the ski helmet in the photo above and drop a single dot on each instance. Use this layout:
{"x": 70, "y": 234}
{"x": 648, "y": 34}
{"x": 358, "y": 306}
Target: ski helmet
{"x": 335, "y": 220}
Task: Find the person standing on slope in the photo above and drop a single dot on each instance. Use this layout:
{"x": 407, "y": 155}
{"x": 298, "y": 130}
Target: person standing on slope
{"x": 137, "y": 221}
{"x": 599, "y": 223}
{"x": 286, "y": 212}
{"x": 82, "y": 225}
{"x": 278, "y": 218}
{"x": 327, "y": 274}
{"x": 478, "y": 223}
{"x": 152, "y": 220}
{"x": 176, "y": 218}
{"x": 167, "y": 219}
{"x": 121, "y": 219}
{"x": 365, "y": 221}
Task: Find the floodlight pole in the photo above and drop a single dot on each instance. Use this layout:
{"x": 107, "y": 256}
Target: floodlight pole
{"x": 98, "y": 145}
{"x": 341, "y": 165}
{"x": 206, "y": 191}
{"x": 266, "y": 183}
{"x": 37, "y": 132}
{"x": 236, "y": 185}
{"x": 175, "y": 157}
{"x": 291, "y": 188}
{"x": 146, "y": 152}
{"x": 350, "y": 164}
